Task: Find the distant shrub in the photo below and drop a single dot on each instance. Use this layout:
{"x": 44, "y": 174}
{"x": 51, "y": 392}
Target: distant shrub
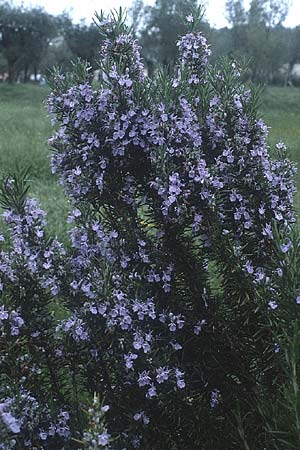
{"x": 162, "y": 306}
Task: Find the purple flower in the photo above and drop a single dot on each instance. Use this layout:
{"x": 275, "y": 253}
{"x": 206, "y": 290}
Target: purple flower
{"x": 11, "y": 422}
{"x": 129, "y": 358}
{"x": 144, "y": 378}
{"x": 43, "y": 435}
{"x": 272, "y": 304}
{"x": 175, "y": 345}
{"x": 179, "y": 379}
{"x": 287, "y": 246}
{"x": 249, "y": 267}
{"x": 3, "y": 313}
{"x": 103, "y": 439}
{"x": 162, "y": 374}
{"x": 151, "y": 392}
{"x": 141, "y": 417}
{"x": 267, "y": 231}
{"x": 214, "y": 398}
{"x": 198, "y": 326}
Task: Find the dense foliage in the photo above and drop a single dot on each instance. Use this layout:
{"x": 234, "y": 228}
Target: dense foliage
{"x": 161, "y": 325}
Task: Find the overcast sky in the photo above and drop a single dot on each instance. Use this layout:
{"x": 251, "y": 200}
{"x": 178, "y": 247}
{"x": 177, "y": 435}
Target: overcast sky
{"x": 78, "y": 9}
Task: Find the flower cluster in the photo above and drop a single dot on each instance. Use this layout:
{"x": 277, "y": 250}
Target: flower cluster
{"x": 193, "y": 52}
{"x": 13, "y": 319}
{"x": 97, "y": 436}
{"x": 23, "y": 420}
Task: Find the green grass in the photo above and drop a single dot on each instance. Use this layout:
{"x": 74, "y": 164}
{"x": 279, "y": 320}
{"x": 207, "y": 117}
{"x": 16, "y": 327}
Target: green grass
{"x": 24, "y": 130}
{"x": 281, "y": 111}
{"x": 25, "y": 127}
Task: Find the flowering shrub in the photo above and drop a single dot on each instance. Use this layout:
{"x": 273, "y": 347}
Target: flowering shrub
{"x": 174, "y": 193}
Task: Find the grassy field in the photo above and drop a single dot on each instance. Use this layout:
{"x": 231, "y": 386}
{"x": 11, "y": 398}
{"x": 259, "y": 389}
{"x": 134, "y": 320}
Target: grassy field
{"x": 25, "y": 127}
{"x": 281, "y": 112}
{"x": 24, "y": 130}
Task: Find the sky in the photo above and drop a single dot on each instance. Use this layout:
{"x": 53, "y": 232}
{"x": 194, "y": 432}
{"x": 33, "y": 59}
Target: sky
{"x": 78, "y": 9}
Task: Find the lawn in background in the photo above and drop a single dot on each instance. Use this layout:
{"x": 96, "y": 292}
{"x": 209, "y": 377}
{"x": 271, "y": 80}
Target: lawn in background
{"x": 25, "y": 128}
{"x": 280, "y": 108}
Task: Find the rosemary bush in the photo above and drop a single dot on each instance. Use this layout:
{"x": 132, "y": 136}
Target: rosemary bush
{"x": 157, "y": 327}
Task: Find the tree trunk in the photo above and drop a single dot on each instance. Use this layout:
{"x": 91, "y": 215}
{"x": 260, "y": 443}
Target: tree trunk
{"x": 289, "y": 73}
{"x": 11, "y": 72}
{"x": 26, "y": 68}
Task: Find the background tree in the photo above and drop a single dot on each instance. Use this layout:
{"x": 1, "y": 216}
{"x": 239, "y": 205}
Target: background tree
{"x": 83, "y": 40}
{"x": 292, "y": 47}
{"x": 3, "y": 64}
{"x": 41, "y": 28}
{"x": 258, "y": 35}
{"x": 163, "y": 25}
{"x": 12, "y": 31}
{"x": 32, "y": 41}
{"x": 136, "y": 14}
{"x": 263, "y": 37}
{"x": 237, "y": 18}
{"x": 222, "y": 42}
{"x": 25, "y": 37}
{"x": 58, "y": 54}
